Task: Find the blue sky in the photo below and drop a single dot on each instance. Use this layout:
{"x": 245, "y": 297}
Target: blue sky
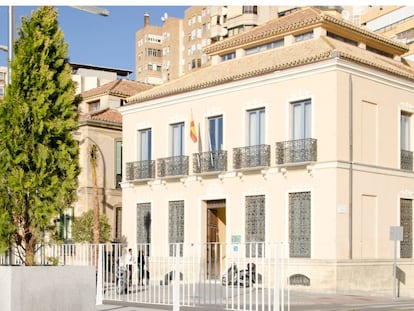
{"x": 97, "y": 40}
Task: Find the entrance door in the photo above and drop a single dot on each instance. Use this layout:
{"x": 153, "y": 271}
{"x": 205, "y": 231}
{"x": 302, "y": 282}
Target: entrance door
{"x": 216, "y": 237}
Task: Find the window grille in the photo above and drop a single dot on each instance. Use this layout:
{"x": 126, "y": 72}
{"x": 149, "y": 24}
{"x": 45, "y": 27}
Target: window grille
{"x": 299, "y": 279}
{"x": 300, "y": 224}
{"x": 176, "y": 225}
{"x": 406, "y": 221}
{"x": 255, "y": 225}
{"x": 144, "y": 223}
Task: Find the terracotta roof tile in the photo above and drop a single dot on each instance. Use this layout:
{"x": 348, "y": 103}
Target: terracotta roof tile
{"x": 300, "y": 53}
{"x": 105, "y": 115}
{"x": 302, "y": 18}
{"x": 121, "y": 88}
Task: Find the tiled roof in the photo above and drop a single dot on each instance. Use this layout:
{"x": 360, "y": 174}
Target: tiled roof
{"x": 301, "y": 53}
{"x": 302, "y": 18}
{"x": 105, "y": 115}
{"x": 121, "y": 88}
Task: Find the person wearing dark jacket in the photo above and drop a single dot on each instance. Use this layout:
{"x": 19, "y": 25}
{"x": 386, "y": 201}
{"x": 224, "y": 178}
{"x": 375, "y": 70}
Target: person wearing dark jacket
{"x": 141, "y": 267}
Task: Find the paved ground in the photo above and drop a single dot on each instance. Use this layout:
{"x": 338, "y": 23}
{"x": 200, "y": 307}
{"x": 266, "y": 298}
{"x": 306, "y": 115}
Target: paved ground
{"x": 300, "y": 301}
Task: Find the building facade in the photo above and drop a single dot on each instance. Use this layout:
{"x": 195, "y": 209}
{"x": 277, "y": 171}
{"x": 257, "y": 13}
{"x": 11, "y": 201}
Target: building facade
{"x": 394, "y": 21}
{"x": 176, "y": 48}
{"x": 303, "y": 136}
{"x": 100, "y": 124}
{"x": 89, "y": 77}
{"x": 157, "y": 52}
{"x": 3, "y": 81}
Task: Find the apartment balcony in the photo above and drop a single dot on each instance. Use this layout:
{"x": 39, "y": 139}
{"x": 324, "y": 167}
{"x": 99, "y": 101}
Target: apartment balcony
{"x": 406, "y": 160}
{"x": 211, "y": 161}
{"x": 296, "y": 151}
{"x": 251, "y": 156}
{"x": 172, "y": 166}
{"x": 140, "y": 170}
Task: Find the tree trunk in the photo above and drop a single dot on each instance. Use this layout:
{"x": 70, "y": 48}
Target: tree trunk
{"x": 96, "y": 237}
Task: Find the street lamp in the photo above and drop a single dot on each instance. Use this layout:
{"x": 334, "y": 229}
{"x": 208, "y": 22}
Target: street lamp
{"x": 93, "y": 10}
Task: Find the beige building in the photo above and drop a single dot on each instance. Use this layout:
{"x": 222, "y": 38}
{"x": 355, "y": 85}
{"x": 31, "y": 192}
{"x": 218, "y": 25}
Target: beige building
{"x": 158, "y": 57}
{"x": 394, "y": 21}
{"x": 176, "y": 48}
{"x": 3, "y": 81}
{"x": 89, "y": 77}
{"x": 304, "y": 136}
{"x": 100, "y": 124}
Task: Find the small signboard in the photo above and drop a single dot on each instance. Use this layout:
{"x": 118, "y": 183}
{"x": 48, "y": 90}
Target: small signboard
{"x": 235, "y": 239}
{"x": 396, "y": 233}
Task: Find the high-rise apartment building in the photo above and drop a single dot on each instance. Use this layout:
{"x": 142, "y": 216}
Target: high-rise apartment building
{"x": 176, "y": 48}
{"x": 158, "y": 56}
{"x": 396, "y": 22}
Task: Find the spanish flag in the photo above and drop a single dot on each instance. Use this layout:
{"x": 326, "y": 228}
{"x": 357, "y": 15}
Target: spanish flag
{"x": 193, "y": 133}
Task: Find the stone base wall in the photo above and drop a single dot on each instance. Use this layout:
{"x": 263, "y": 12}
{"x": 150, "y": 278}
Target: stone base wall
{"x": 47, "y": 288}
{"x": 367, "y": 277}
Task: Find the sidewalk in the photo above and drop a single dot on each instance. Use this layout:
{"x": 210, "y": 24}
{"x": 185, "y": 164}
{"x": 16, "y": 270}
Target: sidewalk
{"x": 298, "y": 299}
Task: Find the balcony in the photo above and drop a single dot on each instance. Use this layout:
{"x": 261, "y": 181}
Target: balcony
{"x": 251, "y": 156}
{"x": 173, "y": 166}
{"x": 211, "y": 161}
{"x": 296, "y": 151}
{"x": 140, "y": 170}
{"x": 406, "y": 160}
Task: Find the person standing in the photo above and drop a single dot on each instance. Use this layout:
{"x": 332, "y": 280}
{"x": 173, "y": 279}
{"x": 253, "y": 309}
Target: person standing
{"x": 129, "y": 260}
{"x": 141, "y": 267}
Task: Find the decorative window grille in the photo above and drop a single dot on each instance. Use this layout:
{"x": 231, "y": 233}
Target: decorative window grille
{"x": 300, "y": 224}
{"x": 299, "y": 279}
{"x": 175, "y": 225}
{"x": 255, "y": 225}
{"x": 406, "y": 221}
{"x": 144, "y": 224}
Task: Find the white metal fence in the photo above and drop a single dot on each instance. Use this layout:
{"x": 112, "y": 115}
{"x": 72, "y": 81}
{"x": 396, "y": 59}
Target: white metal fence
{"x": 225, "y": 276}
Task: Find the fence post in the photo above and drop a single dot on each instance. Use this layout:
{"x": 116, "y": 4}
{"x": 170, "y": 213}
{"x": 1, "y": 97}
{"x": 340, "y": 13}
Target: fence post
{"x": 276, "y": 280}
{"x": 99, "y": 279}
{"x": 176, "y": 288}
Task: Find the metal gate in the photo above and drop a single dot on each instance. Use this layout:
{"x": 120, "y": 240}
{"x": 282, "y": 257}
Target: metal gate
{"x": 183, "y": 276}
{"x": 184, "y": 279}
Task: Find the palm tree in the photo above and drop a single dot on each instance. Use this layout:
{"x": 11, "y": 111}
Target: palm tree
{"x": 93, "y": 158}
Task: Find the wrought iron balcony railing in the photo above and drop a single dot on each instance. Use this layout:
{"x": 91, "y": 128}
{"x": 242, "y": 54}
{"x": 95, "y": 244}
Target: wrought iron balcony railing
{"x": 251, "y": 156}
{"x": 295, "y": 151}
{"x": 406, "y": 160}
{"x": 210, "y": 161}
{"x": 140, "y": 170}
{"x": 173, "y": 166}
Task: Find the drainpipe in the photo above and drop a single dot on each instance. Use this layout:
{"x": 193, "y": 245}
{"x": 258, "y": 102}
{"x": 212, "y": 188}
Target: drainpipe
{"x": 351, "y": 161}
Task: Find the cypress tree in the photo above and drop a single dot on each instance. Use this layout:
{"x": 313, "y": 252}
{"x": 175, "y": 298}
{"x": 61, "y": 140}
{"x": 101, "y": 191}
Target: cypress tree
{"x": 38, "y": 155}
